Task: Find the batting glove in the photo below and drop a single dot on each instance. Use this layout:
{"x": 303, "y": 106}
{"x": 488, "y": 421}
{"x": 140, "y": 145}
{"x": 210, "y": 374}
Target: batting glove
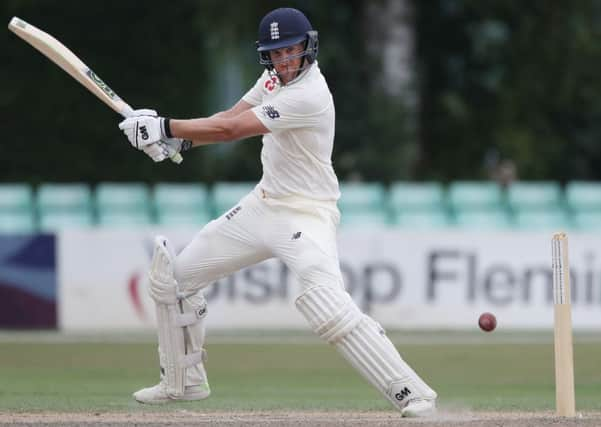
{"x": 157, "y": 151}
{"x": 166, "y": 148}
{"x": 143, "y": 112}
{"x": 144, "y": 128}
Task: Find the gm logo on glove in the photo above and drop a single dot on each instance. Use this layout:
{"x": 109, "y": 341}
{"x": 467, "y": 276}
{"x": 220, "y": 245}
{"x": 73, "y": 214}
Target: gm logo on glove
{"x": 144, "y": 132}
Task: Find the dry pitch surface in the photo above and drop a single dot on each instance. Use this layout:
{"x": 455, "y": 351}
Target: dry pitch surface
{"x": 185, "y": 417}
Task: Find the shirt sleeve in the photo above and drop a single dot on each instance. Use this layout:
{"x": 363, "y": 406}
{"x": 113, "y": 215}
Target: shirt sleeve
{"x": 290, "y": 110}
{"x": 255, "y": 95}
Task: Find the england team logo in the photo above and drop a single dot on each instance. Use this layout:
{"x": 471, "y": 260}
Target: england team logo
{"x": 275, "y": 31}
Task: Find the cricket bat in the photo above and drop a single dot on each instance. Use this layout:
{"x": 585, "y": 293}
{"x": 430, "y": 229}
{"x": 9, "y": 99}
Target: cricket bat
{"x": 69, "y": 62}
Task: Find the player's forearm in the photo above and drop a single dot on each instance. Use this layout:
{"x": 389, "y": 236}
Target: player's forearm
{"x": 223, "y": 115}
{"x": 216, "y": 129}
{"x": 240, "y": 107}
{"x": 204, "y": 131}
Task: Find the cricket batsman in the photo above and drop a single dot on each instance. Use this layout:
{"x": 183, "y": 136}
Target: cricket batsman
{"x": 291, "y": 214}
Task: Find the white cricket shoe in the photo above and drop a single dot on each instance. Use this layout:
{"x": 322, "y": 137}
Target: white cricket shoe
{"x": 419, "y": 408}
{"x": 158, "y": 394}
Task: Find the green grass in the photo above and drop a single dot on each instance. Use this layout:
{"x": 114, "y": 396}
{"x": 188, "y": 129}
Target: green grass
{"x": 312, "y": 376}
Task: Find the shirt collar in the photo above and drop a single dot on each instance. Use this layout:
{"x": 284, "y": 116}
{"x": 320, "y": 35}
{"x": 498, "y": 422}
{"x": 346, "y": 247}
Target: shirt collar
{"x": 301, "y": 75}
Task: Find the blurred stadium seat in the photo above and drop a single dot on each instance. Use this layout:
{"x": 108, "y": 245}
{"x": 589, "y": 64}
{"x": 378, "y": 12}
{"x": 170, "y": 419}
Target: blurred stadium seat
{"x": 122, "y": 196}
{"x": 123, "y": 204}
{"x": 523, "y": 196}
{"x": 477, "y": 205}
{"x": 64, "y": 205}
{"x": 364, "y": 219}
{"x": 16, "y": 197}
{"x": 183, "y": 219}
{"x": 361, "y": 196}
{"x": 538, "y": 205}
{"x": 488, "y": 219}
{"x": 363, "y": 204}
{"x": 587, "y": 220}
{"x": 182, "y": 204}
{"x": 425, "y": 205}
{"x": 475, "y": 195}
{"x": 416, "y": 196}
{"x": 583, "y": 196}
{"x": 16, "y": 208}
{"x": 227, "y": 194}
{"x": 422, "y": 220}
{"x": 543, "y": 219}
{"x": 64, "y": 197}
{"x": 57, "y": 220}
{"x": 118, "y": 219}
{"x": 17, "y": 222}
{"x": 413, "y": 198}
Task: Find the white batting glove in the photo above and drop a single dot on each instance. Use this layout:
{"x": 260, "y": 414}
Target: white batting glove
{"x": 178, "y": 145}
{"x": 144, "y": 127}
{"x": 142, "y": 130}
{"x": 143, "y": 112}
{"x": 139, "y": 113}
{"x": 166, "y": 148}
{"x": 158, "y": 151}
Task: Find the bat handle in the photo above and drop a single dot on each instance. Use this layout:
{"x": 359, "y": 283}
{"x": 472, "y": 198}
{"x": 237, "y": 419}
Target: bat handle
{"x": 175, "y": 157}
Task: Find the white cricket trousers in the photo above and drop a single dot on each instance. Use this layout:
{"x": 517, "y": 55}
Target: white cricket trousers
{"x": 301, "y": 233}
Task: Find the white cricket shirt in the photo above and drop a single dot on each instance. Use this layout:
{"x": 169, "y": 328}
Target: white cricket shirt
{"x": 297, "y": 153}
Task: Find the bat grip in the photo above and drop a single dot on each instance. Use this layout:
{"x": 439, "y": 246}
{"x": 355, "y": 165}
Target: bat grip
{"x": 175, "y": 157}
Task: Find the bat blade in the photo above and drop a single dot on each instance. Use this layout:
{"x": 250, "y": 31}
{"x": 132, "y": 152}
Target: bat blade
{"x": 58, "y": 53}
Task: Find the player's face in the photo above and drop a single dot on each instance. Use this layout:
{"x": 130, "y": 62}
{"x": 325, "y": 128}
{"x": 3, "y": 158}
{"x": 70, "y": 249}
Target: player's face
{"x": 286, "y": 66}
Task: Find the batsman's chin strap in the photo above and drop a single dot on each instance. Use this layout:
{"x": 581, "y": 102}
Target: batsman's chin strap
{"x": 299, "y": 72}
{"x": 301, "y": 68}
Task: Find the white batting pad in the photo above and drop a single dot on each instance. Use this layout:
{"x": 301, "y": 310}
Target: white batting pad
{"x": 175, "y": 315}
{"x": 336, "y": 318}
{"x": 163, "y": 287}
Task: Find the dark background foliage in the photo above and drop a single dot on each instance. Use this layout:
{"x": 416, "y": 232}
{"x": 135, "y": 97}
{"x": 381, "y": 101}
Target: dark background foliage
{"x": 498, "y": 79}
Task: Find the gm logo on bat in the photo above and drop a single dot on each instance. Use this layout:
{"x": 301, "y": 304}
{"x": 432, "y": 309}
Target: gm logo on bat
{"x": 102, "y": 85}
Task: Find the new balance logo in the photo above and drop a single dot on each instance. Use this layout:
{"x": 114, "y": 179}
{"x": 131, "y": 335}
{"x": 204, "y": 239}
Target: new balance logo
{"x": 402, "y": 394}
{"x": 233, "y": 212}
{"x": 296, "y": 235}
{"x": 144, "y": 132}
{"x": 274, "y": 30}
{"x": 271, "y": 112}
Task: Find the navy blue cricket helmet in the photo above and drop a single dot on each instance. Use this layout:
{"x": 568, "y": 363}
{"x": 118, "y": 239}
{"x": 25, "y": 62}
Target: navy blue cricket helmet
{"x": 286, "y": 27}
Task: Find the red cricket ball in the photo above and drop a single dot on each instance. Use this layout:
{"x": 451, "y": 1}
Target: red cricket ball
{"x": 487, "y": 322}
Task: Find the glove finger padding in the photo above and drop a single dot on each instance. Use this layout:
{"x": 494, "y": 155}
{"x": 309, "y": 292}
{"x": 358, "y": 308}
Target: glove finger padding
{"x": 144, "y": 112}
{"x": 157, "y": 152}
